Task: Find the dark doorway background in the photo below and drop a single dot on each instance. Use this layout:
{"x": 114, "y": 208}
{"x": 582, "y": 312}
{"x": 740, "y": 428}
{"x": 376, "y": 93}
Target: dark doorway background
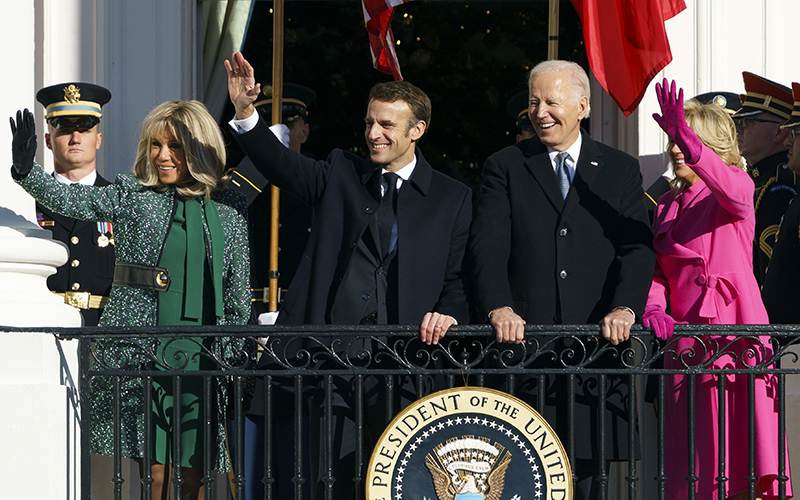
{"x": 470, "y": 57}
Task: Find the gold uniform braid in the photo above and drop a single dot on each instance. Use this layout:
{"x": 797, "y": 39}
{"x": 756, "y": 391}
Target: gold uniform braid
{"x": 765, "y": 234}
{"x": 763, "y": 190}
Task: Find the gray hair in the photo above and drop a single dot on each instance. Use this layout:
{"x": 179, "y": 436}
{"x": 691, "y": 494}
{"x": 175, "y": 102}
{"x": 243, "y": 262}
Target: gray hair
{"x": 578, "y": 78}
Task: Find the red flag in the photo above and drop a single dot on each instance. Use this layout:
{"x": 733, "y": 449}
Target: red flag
{"x": 378, "y": 18}
{"x": 627, "y": 45}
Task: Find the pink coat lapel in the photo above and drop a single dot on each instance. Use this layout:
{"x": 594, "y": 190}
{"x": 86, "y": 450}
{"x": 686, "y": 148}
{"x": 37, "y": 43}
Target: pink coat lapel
{"x": 669, "y": 215}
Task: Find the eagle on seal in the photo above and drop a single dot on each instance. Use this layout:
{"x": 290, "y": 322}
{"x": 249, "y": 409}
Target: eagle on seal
{"x": 465, "y": 487}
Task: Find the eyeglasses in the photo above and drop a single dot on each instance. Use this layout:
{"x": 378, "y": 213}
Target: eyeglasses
{"x": 744, "y": 121}
{"x": 794, "y": 133}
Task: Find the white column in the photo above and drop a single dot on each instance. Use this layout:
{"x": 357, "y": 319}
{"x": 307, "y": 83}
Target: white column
{"x": 40, "y": 427}
{"x": 27, "y": 253}
{"x": 40, "y": 431}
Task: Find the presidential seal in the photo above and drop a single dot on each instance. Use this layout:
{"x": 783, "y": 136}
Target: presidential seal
{"x": 469, "y": 443}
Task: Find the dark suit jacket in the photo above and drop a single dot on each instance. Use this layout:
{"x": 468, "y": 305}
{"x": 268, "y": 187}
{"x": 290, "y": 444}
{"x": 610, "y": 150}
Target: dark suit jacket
{"x": 94, "y": 271}
{"x": 433, "y": 217}
{"x": 293, "y": 232}
{"x": 565, "y": 261}
{"x": 561, "y": 261}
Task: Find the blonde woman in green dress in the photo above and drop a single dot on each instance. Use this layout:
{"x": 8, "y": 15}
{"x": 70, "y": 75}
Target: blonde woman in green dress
{"x": 172, "y": 217}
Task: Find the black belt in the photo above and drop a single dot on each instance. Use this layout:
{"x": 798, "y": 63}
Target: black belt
{"x": 141, "y": 276}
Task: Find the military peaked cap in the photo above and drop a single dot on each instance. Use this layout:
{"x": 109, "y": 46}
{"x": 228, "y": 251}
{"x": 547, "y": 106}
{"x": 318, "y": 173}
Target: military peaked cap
{"x": 295, "y": 102}
{"x": 73, "y": 104}
{"x": 766, "y": 96}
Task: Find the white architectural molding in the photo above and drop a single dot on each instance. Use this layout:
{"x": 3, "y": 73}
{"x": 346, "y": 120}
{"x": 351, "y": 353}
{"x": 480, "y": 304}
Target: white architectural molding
{"x": 27, "y": 253}
{"x": 41, "y": 438}
{"x": 37, "y": 376}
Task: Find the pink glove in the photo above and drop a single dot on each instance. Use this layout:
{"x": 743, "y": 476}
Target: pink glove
{"x": 673, "y": 122}
{"x": 662, "y": 324}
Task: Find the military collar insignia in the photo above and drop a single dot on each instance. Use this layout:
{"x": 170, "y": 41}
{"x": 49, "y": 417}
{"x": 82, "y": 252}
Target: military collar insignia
{"x": 469, "y": 443}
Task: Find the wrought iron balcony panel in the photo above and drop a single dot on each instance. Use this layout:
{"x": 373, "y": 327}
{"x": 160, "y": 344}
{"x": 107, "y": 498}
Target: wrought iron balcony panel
{"x": 306, "y": 349}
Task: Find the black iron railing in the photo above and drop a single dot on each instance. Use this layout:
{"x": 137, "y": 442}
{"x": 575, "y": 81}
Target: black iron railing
{"x": 385, "y": 367}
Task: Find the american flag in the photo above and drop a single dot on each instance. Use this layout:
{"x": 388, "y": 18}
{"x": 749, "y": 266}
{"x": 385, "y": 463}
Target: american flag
{"x": 378, "y": 18}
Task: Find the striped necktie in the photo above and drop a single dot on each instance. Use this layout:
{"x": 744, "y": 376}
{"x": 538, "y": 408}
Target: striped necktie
{"x": 562, "y": 176}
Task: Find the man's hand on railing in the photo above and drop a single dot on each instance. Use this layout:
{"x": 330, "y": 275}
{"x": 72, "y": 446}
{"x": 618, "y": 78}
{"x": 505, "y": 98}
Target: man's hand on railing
{"x": 616, "y": 326}
{"x": 508, "y": 325}
{"x": 434, "y": 326}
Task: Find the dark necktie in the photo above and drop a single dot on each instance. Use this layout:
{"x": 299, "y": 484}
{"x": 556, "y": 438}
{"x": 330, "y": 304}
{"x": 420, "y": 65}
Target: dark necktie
{"x": 386, "y": 212}
{"x": 562, "y": 176}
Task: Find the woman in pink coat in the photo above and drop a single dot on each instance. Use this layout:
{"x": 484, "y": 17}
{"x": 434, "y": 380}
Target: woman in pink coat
{"x": 703, "y": 233}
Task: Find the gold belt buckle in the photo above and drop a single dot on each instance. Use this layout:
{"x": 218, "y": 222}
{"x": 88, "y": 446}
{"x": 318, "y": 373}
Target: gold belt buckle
{"x": 78, "y": 300}
{"x": 162, "y": 280}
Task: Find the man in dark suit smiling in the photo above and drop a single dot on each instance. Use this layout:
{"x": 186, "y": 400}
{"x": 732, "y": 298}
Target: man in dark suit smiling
{"x": 351, "y": 272}
{"x": 388, "y": 236}
{"x": 561, "y": 235}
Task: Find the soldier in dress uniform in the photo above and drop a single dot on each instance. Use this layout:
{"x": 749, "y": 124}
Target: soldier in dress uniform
{"x": 726, "y": 100}
{"x": 780, "y": 291}
{"x": 295, "y": 216}
{"x": 766, "y": 106}
{"x": 517, "y": 107}
{"x": 73, "y": 111}
{"x": 295, "y": 226}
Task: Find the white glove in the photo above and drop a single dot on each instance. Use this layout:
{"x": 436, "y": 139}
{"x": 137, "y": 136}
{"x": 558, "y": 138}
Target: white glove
{"x": 267, "y": 318}
{"x": 281, "y": 131}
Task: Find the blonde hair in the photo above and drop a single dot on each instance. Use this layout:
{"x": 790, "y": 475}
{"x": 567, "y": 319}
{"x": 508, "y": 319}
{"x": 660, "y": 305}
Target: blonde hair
{"x": 197, "y": 132}
{"x": 715, "y": 128}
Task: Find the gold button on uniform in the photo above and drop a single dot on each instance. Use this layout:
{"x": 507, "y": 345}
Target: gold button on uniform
{"x": 76, "y": 286}
{"x": 74, "y": 240}
{"x": 75, "y": 263}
